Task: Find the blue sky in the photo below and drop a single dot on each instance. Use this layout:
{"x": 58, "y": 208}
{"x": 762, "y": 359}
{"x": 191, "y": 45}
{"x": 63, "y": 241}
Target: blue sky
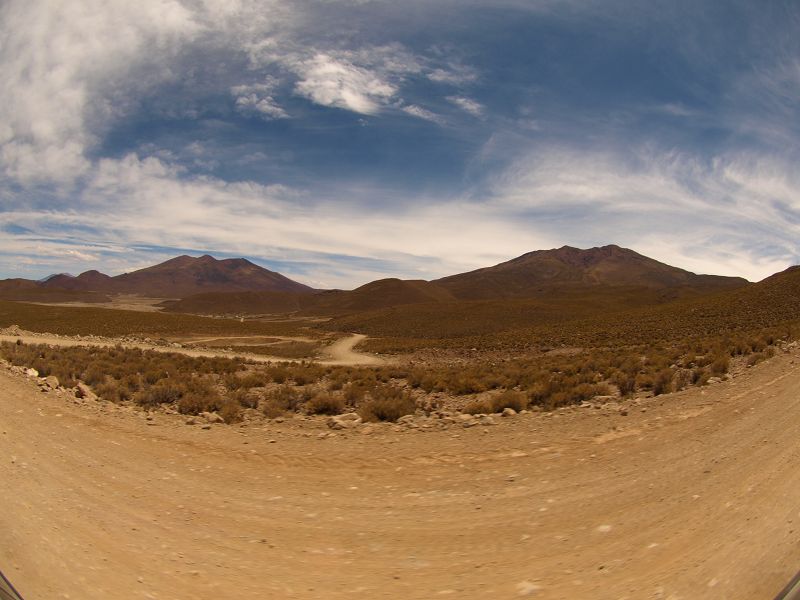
{"x": 343, "y": 141}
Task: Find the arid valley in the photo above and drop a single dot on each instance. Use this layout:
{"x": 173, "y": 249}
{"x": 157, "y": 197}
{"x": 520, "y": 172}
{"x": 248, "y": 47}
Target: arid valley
{"x": 621, "y": 429}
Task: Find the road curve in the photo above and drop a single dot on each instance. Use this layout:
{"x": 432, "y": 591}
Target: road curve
{"x": 692, "y": 495}
{"x": 339, "y": 353}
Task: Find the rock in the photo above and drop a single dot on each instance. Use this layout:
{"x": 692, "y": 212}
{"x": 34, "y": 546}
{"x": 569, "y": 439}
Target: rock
{"x": 487, "y": 420}
{"x": 212, "y": 417}
{"x": 51, "y": 382}
{"x": 345, "y": 421}
{"x": 206, "y": 426}
{"x": 31, "y": 372}
{"x": 465, "y": 417}
{"x": 405, "y": 420}
{"x": 191, "y": 421}
{"x": 508, "y": 412}
{"x": 84, "y": 391}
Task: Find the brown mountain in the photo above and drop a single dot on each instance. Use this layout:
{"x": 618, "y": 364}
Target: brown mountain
{"x": 598, "y": 276}
{"x": 378, "y": 294}
{"x": 543, "y": 271}
{"x": 185, "y": 275}
{"x": 179, "y": 277}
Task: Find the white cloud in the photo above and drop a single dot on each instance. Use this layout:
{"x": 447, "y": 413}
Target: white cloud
{"x": 453, "y": 74}
{"x": 258, "y": 98}
{"x": 64, "y": 68}
{"x": 674, "y": 207}
{"x": 337, "y": 82}
{"x": 422, "y": 113}
{"x": 474, "y": 108}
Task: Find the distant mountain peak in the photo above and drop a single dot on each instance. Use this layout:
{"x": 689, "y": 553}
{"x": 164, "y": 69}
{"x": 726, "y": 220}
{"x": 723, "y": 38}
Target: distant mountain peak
{"x": 536, "y": 272}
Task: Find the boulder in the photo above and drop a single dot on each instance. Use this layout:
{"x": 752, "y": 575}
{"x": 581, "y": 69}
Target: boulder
{"x": 509, "y": 412}
{"x": 52, "y": 382}
{"x": 212, "y": 417}
{"x": 84, "y": 391}
{"x": 345, "y": 421}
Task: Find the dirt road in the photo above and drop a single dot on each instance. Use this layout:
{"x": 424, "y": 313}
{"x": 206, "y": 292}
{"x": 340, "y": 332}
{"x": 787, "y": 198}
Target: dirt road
{"x": 340, "y": 353}
{"x": 696, "y": 497}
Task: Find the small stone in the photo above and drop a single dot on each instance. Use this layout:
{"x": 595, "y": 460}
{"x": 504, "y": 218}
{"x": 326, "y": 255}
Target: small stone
{"x": 487, "y": 420}
{"x": 509, "y": 412}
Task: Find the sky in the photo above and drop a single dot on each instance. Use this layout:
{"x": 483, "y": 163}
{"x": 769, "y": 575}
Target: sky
{"x": 342, "y": 141}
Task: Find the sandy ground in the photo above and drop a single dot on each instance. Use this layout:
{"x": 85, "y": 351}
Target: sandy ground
{"x": 692, "y": 495}
{"x": 340, "y": 353}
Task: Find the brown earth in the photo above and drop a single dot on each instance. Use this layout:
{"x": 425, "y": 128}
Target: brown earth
{"x": 692, "y": 495}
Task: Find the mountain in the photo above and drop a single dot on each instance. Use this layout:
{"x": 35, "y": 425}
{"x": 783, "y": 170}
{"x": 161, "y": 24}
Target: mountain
{"x": 210, "y": 286}
{"x": 378, "y": 294}
{"x": 185, "y": 275}
{"x": 179, "y": 277}
{"x": 543, "y": 271}
{"x": 609, "y": 276}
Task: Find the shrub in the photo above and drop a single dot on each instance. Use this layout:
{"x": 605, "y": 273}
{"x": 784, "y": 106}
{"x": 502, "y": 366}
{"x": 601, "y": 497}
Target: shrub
{"x": 478, "y": 407}
{"x": 200, "y": 396}
{"x": 388, "y": 409}
{"x": 720, "y": 365}
{"x": 325, "y": 404}
{"x": 662, "y": 382}
{"x": 509, "y": 399}
{"x": 230, "y": 411}
{"x": 163, "y": 392}
{"x": 285, "y": 397}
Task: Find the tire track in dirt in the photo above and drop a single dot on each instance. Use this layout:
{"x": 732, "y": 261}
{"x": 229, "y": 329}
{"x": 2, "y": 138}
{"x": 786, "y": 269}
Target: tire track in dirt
{"x": 701, "y": 502}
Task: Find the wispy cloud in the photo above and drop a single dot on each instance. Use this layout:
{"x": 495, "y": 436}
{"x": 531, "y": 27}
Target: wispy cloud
{"x": 476, "y": 109}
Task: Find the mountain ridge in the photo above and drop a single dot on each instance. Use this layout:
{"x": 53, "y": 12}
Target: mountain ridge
{"x": 211, "y": 285}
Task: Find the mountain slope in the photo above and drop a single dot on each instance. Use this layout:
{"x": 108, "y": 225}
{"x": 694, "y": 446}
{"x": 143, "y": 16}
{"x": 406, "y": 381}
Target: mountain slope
{"x": 185, "y": 275}
{"x": 182, "y": 276}
{"x": 542, "y": 271}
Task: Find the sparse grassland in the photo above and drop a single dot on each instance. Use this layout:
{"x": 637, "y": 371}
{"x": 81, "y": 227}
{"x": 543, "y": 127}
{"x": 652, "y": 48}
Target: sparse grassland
{"x": 114, "y": 323}
{"x": 548, "y": 381}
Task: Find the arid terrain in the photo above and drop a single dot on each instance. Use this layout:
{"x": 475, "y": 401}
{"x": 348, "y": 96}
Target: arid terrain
{"x": 688, "y": 495}
{"x": 569, "y": 424}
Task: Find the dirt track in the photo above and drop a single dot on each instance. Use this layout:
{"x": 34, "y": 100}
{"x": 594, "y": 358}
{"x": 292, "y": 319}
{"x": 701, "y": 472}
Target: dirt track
{"x": 340, "y": 353}
{"x": 698, "y": 497}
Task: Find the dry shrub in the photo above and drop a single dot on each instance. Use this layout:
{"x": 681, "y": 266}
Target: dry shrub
{"x": 325, "y": 404}
{"x": 163, "y": 392}
{"x": 246, "y": 398}
{"x": 479, "y": 407}
{"x": 662, "y": 382}
{"x": 509, "y": 399}
{"x": 200, "y": 396}
{"x": 280, "y": 401}
{"x": 720, "y": 365}
{"x": 388, "y": 404}
{"x": 112, "y": 390}
{"x": 230, "y": 411}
